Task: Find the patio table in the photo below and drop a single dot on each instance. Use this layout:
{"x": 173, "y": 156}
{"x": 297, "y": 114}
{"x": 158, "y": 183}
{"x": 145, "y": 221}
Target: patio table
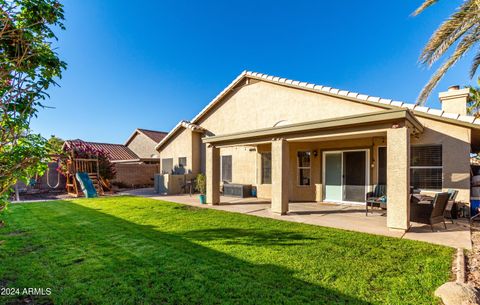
{"x": 374, "y": 203}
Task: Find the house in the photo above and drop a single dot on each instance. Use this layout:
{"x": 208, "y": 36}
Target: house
{"x": 136, "y": 161}
{"x": 297, "y": 141}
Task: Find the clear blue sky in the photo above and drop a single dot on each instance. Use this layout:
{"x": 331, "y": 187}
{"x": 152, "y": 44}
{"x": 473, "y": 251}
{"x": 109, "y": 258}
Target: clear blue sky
{"x": 149, "y": 64}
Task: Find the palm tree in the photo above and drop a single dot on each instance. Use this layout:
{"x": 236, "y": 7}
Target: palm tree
{"x": 473, "y": 107}
{"x": 462, "y": 26}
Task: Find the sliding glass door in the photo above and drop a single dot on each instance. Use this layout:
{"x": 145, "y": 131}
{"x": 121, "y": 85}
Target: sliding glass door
{"x": 345, "y": 175}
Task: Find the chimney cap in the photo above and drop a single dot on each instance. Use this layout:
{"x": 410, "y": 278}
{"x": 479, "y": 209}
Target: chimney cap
{"x": 454, "y": 88}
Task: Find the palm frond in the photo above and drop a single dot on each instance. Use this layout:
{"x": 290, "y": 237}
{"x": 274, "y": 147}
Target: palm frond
{"x": 450, "y": 31}
{"x": 465, "y": 44}
{"x": 426, "y": 4}
{"x": 475, "y": 64}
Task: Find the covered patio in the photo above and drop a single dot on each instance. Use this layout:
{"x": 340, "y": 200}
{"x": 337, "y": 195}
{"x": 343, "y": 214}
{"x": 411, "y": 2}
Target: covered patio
{"x": 324, "y": 138}
{"x": 341, "y": 216}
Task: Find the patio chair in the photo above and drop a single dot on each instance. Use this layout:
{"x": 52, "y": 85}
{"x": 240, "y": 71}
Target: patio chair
{"x": 451, "y": 209}
{"x": 377, "y": 198}
{"x": 430, "y": 213}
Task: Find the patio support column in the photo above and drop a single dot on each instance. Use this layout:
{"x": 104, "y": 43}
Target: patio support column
{"x": 212, "y": 173}
{"x": 280, "y": 173}
{"x": 398, "y": 178}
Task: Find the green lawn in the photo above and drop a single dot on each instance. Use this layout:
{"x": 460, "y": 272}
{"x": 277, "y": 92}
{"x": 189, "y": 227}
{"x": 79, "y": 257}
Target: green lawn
{"x": 128, "y": 250}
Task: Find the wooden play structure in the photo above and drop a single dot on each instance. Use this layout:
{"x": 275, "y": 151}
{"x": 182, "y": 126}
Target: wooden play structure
{"x": 89, "y": 166}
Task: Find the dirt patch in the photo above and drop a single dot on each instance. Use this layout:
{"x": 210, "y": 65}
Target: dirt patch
{"x": 16, "y": 233}
{"x": 188, "y": 208}
{"x": 473, "y": 257}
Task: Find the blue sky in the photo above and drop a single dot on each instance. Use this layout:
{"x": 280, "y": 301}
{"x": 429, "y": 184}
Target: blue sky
{"x": 149, "y": 64}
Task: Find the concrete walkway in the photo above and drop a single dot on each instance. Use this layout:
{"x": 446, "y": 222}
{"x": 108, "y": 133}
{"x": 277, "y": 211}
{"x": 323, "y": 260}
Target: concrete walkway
{"x": 347, "y": 217}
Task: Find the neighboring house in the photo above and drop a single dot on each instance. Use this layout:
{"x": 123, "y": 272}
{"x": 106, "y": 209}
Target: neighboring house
{"x": 136, "y": 161}
{"x": 296, "y": 141}
{"x": 143, "y": 141}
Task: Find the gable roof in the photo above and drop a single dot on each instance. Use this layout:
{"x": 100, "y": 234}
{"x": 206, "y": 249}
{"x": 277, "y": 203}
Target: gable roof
{"x": 116, "y": 151}
{"x": 422, "y": 111}
{"x": 181, "y": 124}
{"x": 155, "y": 136}
{"x": 454, "y": 118}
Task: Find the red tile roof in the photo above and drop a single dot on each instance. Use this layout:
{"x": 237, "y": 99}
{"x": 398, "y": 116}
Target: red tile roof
{"x": 156, "y": 136}
{"x": 116, "y": 151}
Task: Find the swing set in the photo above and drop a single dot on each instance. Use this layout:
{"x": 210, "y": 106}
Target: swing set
{"x": 88, "y": 166}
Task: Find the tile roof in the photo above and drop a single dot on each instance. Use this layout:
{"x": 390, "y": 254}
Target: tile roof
{"x": 116, "y": 151}
{"x": 338, "y": 92}
{"x": 156, "y": 136}
{"x": 382, "y": 102}
{"x": 184, "y": 124}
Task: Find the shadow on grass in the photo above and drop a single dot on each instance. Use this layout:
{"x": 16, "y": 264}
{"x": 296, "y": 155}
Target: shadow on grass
{"x": 91, "y": 257}
{"x": 235, "y": 236}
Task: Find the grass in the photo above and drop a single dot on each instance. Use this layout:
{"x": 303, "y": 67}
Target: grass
{"x": 129, "y": 250}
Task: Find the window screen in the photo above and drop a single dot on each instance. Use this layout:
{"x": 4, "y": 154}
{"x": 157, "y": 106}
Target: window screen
{"x": 426, "y": 167}
{"x": 167, "y": 166}
{"x": 266, "y": 168}
{"x": 227, "y": 168}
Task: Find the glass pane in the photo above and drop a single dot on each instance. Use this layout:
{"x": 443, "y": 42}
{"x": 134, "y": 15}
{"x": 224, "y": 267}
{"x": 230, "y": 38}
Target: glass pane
{"x": 382, "y": 165}
{"x": 426, "y": 178}
{"x": 304, "y": 176}
{"x": 266, "y": 168}
{"x": 167, "y": 166}
{"x": 182, "y": 162}
{"x": 333, "y": 177}
{"x": 303, "y": 158}
{"x": 227, "y": 168}
{"x": 426, "y": 155}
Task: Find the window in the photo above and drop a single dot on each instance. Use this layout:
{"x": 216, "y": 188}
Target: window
{"x": 303, "y": 162}
{"x": 167, "y": 166}
{"x": 266, "y": 168}
{"x": 182, "y": 162}
{"x": 227, "y": 168}
{"x": 382, "y": 165}
{"x": 426, "y": 167}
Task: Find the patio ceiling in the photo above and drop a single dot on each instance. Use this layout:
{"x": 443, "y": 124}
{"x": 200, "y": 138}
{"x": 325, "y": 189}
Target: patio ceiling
{"x": 356, "y": 126}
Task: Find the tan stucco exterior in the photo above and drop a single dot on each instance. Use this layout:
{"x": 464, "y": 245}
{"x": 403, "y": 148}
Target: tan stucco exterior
{"x": 257, "y": 105}
{"x": 143, "y": 146}
{"x": 184, "y": 144}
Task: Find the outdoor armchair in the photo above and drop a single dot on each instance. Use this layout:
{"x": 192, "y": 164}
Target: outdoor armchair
{"x": 430, "y": 213}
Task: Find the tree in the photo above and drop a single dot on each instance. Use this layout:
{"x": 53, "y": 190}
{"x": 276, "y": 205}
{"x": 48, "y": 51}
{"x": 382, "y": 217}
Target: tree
{"x": 473, "y": 106}
{"x": 55, "y": 145}
{"x": 461, "y": 28}
{"x": 29, "y": 66}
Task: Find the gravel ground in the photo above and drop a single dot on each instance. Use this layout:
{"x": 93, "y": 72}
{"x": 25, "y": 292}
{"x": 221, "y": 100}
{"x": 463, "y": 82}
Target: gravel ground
{"x": 473, "y": 257}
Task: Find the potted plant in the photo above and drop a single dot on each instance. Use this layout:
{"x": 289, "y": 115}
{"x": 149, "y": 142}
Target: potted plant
{"x": 201, "y": 186}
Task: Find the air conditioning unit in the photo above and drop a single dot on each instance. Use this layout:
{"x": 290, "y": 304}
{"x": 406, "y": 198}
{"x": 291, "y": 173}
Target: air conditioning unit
{"x": 237, "y": 190}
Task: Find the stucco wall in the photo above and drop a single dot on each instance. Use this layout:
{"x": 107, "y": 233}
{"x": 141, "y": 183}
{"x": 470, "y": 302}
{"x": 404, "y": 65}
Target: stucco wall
{"x": 181, "y": 145}
{"x": 455, "y": 142}
{"x": 143, "y": 146}
{"x": 262, "y": 105}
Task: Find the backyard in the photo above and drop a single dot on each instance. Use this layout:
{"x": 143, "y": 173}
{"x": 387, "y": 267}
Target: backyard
{"x": 132, "y": 250}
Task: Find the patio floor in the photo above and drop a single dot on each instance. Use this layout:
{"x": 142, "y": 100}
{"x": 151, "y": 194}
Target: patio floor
{"x": 347, "y": 217}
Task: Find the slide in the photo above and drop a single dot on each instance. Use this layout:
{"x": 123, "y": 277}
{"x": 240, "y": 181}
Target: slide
{"x": 87, "y": 185}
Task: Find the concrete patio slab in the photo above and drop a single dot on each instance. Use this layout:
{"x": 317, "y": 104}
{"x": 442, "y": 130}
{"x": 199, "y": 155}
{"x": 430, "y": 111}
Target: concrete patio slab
{"x": 340, "y": 216}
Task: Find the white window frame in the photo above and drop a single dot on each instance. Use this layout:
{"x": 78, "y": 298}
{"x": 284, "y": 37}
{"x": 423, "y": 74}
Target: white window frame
{"x": 304, "y": 167}
{"x": 182, "y": 165}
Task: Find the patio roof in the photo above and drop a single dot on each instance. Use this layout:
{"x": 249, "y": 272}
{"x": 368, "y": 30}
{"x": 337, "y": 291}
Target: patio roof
{"x": 373, "y": 122}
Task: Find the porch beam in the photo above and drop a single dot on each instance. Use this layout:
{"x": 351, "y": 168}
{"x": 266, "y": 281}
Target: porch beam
{"x": 212, "y": 173}
{"x": 398, "y": 178}
{"x": 280, "y": 174}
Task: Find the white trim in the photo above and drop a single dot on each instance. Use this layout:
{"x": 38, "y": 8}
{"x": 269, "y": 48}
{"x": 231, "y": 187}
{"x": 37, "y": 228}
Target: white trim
{"x": 367, "y": 174}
